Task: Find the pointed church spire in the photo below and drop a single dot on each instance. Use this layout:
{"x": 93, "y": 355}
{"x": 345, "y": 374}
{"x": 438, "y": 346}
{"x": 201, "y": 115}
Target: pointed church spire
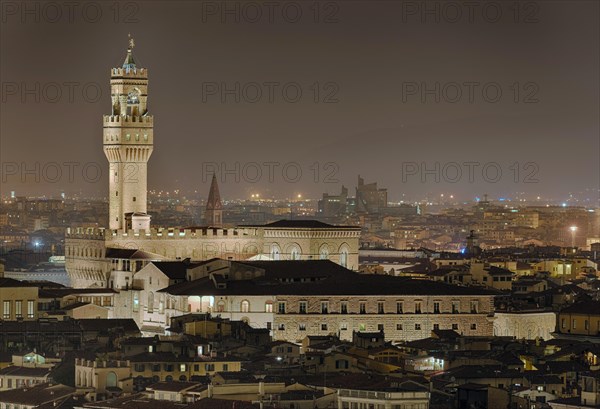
{"x": 214, "y": 198}
{"x": 214, "y": 207}
{"x": 129, "y": 62}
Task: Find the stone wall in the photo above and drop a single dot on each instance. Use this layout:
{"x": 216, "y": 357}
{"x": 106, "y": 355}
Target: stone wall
{"x": 406, "y": 326}
{"x": 528, "y": 325}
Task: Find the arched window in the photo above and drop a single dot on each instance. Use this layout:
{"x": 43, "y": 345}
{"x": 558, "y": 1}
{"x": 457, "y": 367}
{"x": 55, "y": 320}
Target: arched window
{"x": 324, "y": 252}
{"x": 295, "y": 253}
{"x": 344, "y": 257}
{"x": 275, "y": 252}
{"x": 183, "y": 378}
{"x": 221, "y": 306}
{"x": 169, "y": 378}
{"x": 245, "y": 306}
{"x": 111, "y": 380}
{"x": 150, "y": 301}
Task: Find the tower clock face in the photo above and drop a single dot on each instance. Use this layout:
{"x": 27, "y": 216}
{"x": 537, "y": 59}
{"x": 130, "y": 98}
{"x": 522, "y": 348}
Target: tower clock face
{"x": 133, "y": 97}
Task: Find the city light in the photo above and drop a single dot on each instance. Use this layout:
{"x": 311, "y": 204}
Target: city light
{"x": 335, "y": 267}
{"x": 573, "y": 230}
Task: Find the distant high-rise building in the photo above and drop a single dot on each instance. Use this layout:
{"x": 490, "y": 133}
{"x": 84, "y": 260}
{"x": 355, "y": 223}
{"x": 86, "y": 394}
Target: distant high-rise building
{"x": 369, "y": 198}
{"x": 334, "y": 205}
{"x": 213, "y": 215}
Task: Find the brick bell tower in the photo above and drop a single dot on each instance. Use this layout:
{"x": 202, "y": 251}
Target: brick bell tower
{"x": 128, "y": 143}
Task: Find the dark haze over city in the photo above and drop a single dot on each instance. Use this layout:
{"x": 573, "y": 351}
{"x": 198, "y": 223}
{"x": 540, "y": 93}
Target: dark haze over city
{"x": 357, "y": 64}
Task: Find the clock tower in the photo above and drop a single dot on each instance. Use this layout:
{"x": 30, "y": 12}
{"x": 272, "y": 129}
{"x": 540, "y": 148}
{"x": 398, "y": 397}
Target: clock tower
{"x": 128, "y": 143}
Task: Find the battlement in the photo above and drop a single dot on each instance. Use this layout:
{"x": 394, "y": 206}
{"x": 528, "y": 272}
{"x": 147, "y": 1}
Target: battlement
{"x": 90, "y": 233}
{"x": 101, "y": 363}
{"x": 159, "y": 233}
{"x": 180, "y": 233}
{"x": 141, "y": 73}
{"x": 128, "y": 119}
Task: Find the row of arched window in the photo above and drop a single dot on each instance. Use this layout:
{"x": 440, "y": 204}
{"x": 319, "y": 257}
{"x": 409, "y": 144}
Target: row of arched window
{"x": 295, "y": 253}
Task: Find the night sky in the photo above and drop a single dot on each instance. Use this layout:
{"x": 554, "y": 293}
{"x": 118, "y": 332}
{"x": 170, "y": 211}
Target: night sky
{"x": 369, "y": 61}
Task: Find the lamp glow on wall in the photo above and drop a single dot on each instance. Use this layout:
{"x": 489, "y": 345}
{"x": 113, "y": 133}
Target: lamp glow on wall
{"x": 573, "y": 230}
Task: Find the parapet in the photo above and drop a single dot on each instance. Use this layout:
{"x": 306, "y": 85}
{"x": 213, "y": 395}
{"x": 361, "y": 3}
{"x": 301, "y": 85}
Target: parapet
{"x": 141, "y": 73}
{"x": 95, "y": 233}
{"x": 181, "y": 233}
{"x": 92, "y": 233}
{"x": 128, "y": 119}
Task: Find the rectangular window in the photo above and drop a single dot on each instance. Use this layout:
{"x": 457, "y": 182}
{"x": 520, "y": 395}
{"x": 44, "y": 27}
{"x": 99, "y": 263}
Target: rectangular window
{"x": 302, "y": 307}
{"x": 281, "y": 327}
{"x": 136, "y": 301}
{"x": 225, "y": 367}
{"x": 19, "y": 309}
{"x": 417, "y": 326}
{"x": 574, "y": 326}
{"x": 268, "y": 307}
{"x": 417, "y": 307}
{"x": 380, "y": 307}
{"x": 281, "y": 308}
{"x": 362, "y": 308}
{"x": 455, "y": 307}
{"x": 6, "y": 310}
{"x": 343, "y": 326}
{"x": 473, "y": 327}
{"x": 436, "y": 307}
{"x": 399, "y": 308}
{"x": 455, "y": 327}
{"x": 344, "y": 307}
{"x": 474, "y": 307}
{"x": 182, "y": 368}
{"x": 30, "y": 309}
{"x": 586, "y": 324}
{"x": 436, "y": 326}
{"x": 302, "y": 327}
{"x": 379, "y": 327}
{"x": 323, "y": 327}
{"x": 563, "y": 323}
{"x": 399, "y": 327}
{"x": 324, "y": 307}
{"x": 209, "y": 367}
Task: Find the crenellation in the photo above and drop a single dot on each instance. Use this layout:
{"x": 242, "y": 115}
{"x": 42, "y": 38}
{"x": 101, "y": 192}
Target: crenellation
{"x": 118, "y": 73}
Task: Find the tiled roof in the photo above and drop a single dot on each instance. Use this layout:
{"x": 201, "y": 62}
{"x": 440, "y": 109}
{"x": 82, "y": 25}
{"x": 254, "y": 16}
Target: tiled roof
{"x": 36, "y": 395}
{"x": 302, "y": 224}
{"x": 25, "y": 371}
{"x": 586, "y": 307}
{"x": 173, "y": 386}
{"x": 175, "y": 270}
{"x": 132, "y": 254}
{"x": 336, "y": 280}
{"x": 9, "y": 282}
